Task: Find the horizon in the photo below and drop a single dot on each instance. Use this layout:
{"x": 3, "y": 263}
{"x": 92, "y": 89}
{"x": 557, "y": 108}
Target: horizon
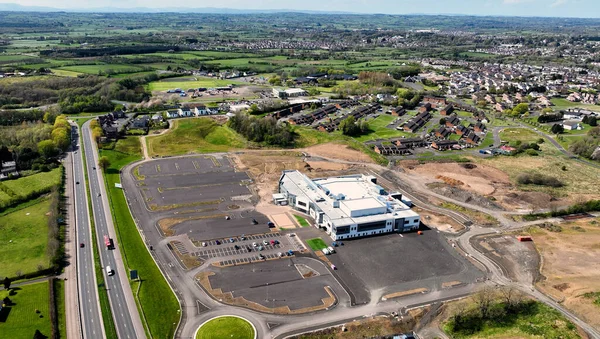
{"x": 495, "y": 8}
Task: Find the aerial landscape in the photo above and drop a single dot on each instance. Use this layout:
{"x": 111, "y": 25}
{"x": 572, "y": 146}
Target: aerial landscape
{"x": 339, "y": 170}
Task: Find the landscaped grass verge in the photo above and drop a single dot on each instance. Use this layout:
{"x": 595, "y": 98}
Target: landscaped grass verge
{"x": 301, "y": 221}
{"x": 316, "y": 244}
{"x": 107, "y": 319}
{"x": 61, "y": 312}
{"x": 158, "y": 316}
{"x": 226, "y": 327}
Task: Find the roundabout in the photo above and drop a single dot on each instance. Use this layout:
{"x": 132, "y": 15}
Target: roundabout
{"x": 228, "y": 326}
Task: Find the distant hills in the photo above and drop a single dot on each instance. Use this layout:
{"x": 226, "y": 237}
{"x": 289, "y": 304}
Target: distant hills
{"x": 12, "y": 7}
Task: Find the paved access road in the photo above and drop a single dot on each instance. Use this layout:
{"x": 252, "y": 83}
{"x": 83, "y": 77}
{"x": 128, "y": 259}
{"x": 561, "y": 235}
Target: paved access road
{"x": 124, "y": 310}
{"x": 89, "y": 306}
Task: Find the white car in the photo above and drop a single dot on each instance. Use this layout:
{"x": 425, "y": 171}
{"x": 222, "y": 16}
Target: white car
{"x": 325, "y": 251}
{"x": 331, "y": 249}
{"x": 109, "y": 270}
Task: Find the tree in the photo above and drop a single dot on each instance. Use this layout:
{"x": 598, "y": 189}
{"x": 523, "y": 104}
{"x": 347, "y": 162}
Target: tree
{"x": 6, "y": 283}
{"x": 557, "y": 129}
{"x": 512, "y": 297}
{"x": 483, "y": 300}
{"x": 348, "y": 126}
{"x": 47, "y": 148}
{"x": 104, "y": 163}
{"x": 520, "y": 109}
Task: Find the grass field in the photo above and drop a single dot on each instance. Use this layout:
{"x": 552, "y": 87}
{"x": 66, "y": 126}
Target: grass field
{"x": 28, "y": 187}
{"x": 564, "y": 104}
{"x": 61, "y": 307}
{"x": 522, "y": 134}
{"x": 94, "y": 69}
{"x": 533, "y": 320}
{"x": 159, "y": 316}
{"x": 226, "y": 327}
{"x": 64, "y": 72}
{"x": 24, "y": 234}
{"x": 195, "y": 135}
{"x": 301, "y": 221}
{"x": 21, "y": 320}
{"x": 186, "y": 83}
{"x": 378, "y": 129}
{"x": 316, "y": 244}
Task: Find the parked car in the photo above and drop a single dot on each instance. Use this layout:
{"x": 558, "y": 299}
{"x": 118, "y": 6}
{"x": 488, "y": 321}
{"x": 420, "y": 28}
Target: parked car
{"x": 254, "y": 244}
{"x": 254, "y": 222}
{"x": 236, "y": 247}
{"x": 231, "y": 240}
{"x": 333, "y": 267}
{"x": 204, "y": 244}
{"x": 262, "y": 257}
{"x": 290, "y": 253}
{"x": 280, "y": 254}
{"x": 227, "y": 217}
{"x": 325, "y": 251}
{"x": 270, "y": 224}
{"x": 217, "y": 242}
{"x": 260, "y": 248}
{"x": 331, "y": 249}
{"x": 249, "y": 248}
{"x": 265, "y": 242}
{"x": 272, "y": 242}
{"x": 276, "y": 242}
{"x": 243, "y": 237}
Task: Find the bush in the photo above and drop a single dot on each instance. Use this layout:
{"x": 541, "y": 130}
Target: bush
{"x": 531, "y": 152}
{"x": 538, "y": 179}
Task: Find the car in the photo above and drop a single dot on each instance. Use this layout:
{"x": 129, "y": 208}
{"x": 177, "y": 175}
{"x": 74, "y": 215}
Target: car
{"x": 265, "y": 242}
{"x": 249, "y": 248}
{"x": 280, "y": 254}
{"x": 254, "y": 244}
{"x": 334, "y": 244}
{"x": 262, "y": 257}
{"x": 109, "y": 270}
{"x": 98, "y": 194}
{"x": 270, "y": 224}
{"x": 254, "y": 222}
{"x": 77, "y": 182}
{"x": 217, "y": 242}
{"x": 276, "y": 242}
{"x": 243, "y": 237}
{"x": 331, "y": 249}
{"x": 231, "y": 240}
{"x": 75, "y": 152}
{"x": 236, "y": 247}
{"x": 333, "y": 267}
{"x": 272, "y": 242}
{"x": 291, "y": 235}
{"x": 290, "y": 253}
{"x": 260, "y": 248}
{"x": 81, "y": 245}
{"x": 94, "y": 168}
{"x": 325, "y": 251}
{"x": 204, "y": 244}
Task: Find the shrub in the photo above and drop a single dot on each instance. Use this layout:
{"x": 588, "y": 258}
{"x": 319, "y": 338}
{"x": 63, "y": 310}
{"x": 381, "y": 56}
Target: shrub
{"x": 531, "y": 152}
{"x": 538, "y": 179}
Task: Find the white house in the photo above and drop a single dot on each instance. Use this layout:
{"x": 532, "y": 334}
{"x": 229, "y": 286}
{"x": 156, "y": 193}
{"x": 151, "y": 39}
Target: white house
{"x": 201, "y": 110}
{"x": 572, "y": 125}
{"x": 185, "y": 112}
{"x": 171, "y": 114}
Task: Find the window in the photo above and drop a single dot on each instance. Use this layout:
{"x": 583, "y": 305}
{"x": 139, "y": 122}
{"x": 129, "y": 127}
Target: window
{"x": 302, "y": 203}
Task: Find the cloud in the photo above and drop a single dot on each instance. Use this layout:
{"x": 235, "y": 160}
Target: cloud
{"x": 559, "y": 3}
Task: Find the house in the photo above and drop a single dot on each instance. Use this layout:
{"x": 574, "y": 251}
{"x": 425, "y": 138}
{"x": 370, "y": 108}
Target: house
{"x": 425, "y": 108}
{"x": 444, "y": 144}
{"x": 391, "y": 149}
{"x": 443, "y": 132}
{"x": 417, "y": 122}
{"x": 171, "y": 114}
{"x": 572, "y": 125}
{"x": 500, "y": 107}
{"x": 141, "y": 122}
{"x": 472, "y": 138}
{"x": 411, "y": 142}
{"x": 398, "y": 111}
{"x": 185, "y": 112}
{"x": 479, "y": 127}
{"x": 573, "y": 114}
{"x": 110, "y": 132}
{"x": 490, "y": 99}
{"x": 157, "y": 118}
{"x": 461, "y": 130}
{"x": 452, "y": 121}
{"x": 435, "y": 101}
{"x": 9, "y": 168}
{"x": 447, "y": 110}
{"x": 289, "y": 93}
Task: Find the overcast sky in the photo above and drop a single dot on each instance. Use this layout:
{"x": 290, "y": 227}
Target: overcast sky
{"x": 557, "y": 8}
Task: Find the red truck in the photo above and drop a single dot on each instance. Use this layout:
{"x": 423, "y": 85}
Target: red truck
{"x": 108, "y": 242}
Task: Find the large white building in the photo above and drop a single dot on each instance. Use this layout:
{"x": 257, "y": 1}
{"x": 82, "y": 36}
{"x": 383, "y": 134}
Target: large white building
{"x": 347, "y": 206}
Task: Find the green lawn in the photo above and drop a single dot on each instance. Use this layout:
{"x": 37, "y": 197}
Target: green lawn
{"x": 378, "y": 129}
{"x": 94, "y": 69}
{"x": 561, "y": 104}
{"x": 301, "y": 221}
{"x": 27, "y": 228}
{"x": 28, "y": 187}
{"x": 316, "y": 244}
{"x": 195, "y": 135}
{"x": 226, "y": 327}
{"x": 523, "y": 134}
{"x": 159, "y": 316}
{"x": 61, "y": 312}
{"x": 533, "y": 320}
{"x": 20, "y": 320}
{"x": 189, "y": 82}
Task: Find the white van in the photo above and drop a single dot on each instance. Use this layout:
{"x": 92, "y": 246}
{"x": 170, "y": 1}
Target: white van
{"x": 109, "y": 270}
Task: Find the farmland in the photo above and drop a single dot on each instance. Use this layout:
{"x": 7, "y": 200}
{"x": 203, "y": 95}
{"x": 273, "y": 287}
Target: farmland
{"x": 23, "y": 318}
{"x": 22, "y": 189}
{"x": 185, "y": 83}
{"x": 24, "y": 231}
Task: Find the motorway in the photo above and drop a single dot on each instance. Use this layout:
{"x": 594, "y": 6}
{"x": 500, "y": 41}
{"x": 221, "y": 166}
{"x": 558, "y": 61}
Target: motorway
{"x": 89, "y": 306}
{"x": 124, "y": 310}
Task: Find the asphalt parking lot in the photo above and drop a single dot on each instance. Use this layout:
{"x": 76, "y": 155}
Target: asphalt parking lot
{"x": 219, "y": 228}
{"x": 202, "y": 179}
{"x": 397, "y": 262}
{"x": 273, "y": 283}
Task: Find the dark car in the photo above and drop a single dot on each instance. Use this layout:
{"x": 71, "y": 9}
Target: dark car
{"x": 249, "y": 248}
{"x": 82, "y": 245}
{"x": 270, "y": 224}
{"x": 217, "y": 242}
{"x": 236, "y": 247}
{"x": 77, "y": 182}
{"x": 254, "y": 222}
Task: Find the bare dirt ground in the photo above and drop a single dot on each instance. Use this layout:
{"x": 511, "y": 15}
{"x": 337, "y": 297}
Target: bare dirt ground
{"x": 571, "y": 265}
{"x": 339, "y": 152}
{"x": 265, "y": 169}
{"x": 438, "y": 221}
{"x": 478, "y": 179}
{"x": 519, "y": 259}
